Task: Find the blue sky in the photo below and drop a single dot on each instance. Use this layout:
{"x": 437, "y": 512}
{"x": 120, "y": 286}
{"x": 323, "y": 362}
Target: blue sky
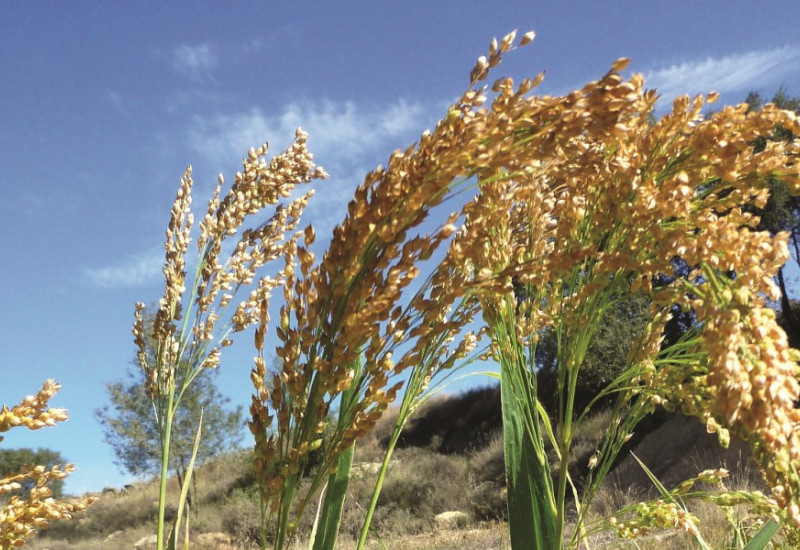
{"x": 105, "y": 103}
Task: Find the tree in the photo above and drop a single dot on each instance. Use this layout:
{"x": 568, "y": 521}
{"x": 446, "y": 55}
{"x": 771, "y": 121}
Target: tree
{"x": 606, "y": 355}
{"x": 12, "y": 461}
{"x": 132, "y": 430}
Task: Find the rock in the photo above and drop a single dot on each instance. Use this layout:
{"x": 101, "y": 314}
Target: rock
{"x": 114, "y": 535}
{"x": 146, "y": 542}
{"x": 452, "y": 519}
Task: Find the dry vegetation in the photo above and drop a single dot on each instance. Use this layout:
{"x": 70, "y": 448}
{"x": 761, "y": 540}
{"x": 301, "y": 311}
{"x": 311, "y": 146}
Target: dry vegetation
{"x": 421, "y": 484}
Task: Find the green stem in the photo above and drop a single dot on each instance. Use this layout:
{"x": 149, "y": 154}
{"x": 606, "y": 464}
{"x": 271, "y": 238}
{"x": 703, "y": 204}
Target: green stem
{"x": 283, "y": 526}
{"x": 331, "y": 506}
{"x": 562, "y": 491}
{"x": 362, "y": 538}
{"x": 162, "y": 491}
{"x": 564, "y": 435}
{"x": 265, "y": 515}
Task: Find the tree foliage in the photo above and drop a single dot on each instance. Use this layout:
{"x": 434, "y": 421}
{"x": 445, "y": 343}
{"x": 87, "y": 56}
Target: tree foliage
{"x": 132, "y": 430}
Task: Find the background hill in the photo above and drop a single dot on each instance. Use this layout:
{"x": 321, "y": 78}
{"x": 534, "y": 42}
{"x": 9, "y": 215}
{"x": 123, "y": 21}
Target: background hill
{"x": 450, "y": 460}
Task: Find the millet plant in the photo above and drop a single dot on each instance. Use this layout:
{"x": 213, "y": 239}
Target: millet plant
{"x": 571, "y": 203}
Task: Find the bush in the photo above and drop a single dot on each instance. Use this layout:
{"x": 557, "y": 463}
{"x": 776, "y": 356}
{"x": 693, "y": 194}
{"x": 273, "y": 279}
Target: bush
{"x": 426, "y": 483}
{"x": 487, "y": 497}
{"x": 241, "y": 517}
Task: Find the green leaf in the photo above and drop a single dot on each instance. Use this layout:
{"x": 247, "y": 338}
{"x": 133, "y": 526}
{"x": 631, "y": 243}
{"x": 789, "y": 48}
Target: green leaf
{"x": 532, "y": 515}
{"x": 548, "y": 428}
{"x": 763, "y": 537}
{"x": 327, "y": 527}
{"x": 661, "y": 489}
{"x": 172, "y": 540}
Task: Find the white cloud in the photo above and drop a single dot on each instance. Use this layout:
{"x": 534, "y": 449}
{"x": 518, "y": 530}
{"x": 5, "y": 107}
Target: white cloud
{"x": 340, "y": 133}
{"x": 194, "y": 61}
{"x": 139, "y": 270}
{"x": 346, "y": 138}
{"x": 732, "y": 73}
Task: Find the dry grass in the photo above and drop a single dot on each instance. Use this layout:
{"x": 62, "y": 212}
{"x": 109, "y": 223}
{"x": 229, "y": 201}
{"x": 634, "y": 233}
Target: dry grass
{"x": 420, "y": 484}
{"x": 677, "y": 450}
{"x": 488, "y": 536}
{"x": 127, "y": 515}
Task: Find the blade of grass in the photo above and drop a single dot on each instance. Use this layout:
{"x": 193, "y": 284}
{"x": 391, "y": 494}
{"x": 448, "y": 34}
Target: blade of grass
{"x": 548, "y": 428}
{"x": 330, "y": 514}
{"x": 333, "y": 502}
{"x": 315, "y": 526}
{"x": 762, "y": 538}
{"x": 669, "y": 497}
{"x": 173, "y": 538}
{"x": 387, "y": 456}
{"x": 658, "y": 485}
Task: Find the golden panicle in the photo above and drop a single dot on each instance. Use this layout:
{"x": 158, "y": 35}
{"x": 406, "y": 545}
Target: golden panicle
{"x": 22, "y": 515}
{"x": 176, "y": 246}
{"x": 595, "y": 189}
{"x": 262, "y": 183}
{"x": 659, "y": 514}
{"x": 196, "y": 319}
{"x": 259, "y": 185}
{"x": 576, "y": 196}
{"x": 33, "y": 412}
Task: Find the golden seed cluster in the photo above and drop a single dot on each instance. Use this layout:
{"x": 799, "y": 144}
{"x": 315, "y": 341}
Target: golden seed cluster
{"x": 574, "y": 193}
{"x": 658, "y": 514}
{"x": 21, "y": 516}
{"x": 672, "y": 512}
{"x": 582, "y": 194}
{"x": 196, "y": 341}
{"x": 33, "y": 412}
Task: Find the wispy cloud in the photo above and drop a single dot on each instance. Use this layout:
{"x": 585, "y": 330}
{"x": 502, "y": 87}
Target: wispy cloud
{"x": 346, "y": 138}
{"x": 194, "y": 61}
{"x": 134, "y": 271}
{"x": 731, "y": 73}
{"x": 118, "y": 101}
{"x": 340, "y": 132}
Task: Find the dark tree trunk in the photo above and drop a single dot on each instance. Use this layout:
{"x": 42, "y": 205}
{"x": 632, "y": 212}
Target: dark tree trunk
{"x": 789, "y": 320}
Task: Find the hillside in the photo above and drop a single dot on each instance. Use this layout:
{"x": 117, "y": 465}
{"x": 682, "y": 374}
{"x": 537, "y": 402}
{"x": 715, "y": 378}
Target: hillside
{"x": 449, "y": 461}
